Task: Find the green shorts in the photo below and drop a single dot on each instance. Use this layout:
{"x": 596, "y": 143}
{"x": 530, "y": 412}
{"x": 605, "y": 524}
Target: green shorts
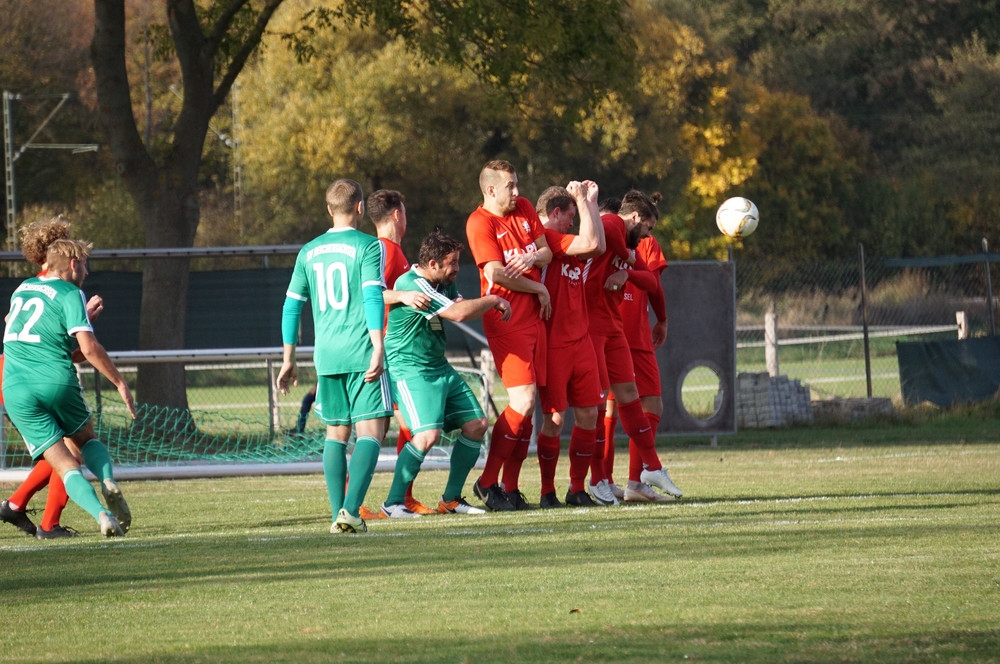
{"x": 45, "y": 412}
{"x": 343, "y": 399}
{"x": 442, "y": 401}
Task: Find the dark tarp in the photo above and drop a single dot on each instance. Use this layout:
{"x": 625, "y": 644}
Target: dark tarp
{"x": 951, "y": 372}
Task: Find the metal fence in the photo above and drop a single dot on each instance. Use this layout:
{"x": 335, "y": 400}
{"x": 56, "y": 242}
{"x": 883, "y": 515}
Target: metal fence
{"x": 834, "y": 325}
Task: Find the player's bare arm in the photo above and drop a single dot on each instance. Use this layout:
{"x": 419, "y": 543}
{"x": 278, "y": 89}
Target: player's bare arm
{"x": 410, "y": 298}
{"x": 95, "y": 305}
{"x": 465, "y": 310}
{"x": 495, "y": 273}
{"x": 523, "y": 262}
{"x": 288, "y": 374}
{"x": 590, "y": 241}
{"x": 377, "y": 364}
{"x": 98, "y": 358}
{"x": 659, "y": 333}
{"x": 616, "y": 281}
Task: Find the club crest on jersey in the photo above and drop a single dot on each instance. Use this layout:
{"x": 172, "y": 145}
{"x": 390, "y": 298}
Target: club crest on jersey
{"x": 509, "y": 254}
{"x": 526, "y": 226}
{"x": 572, "y": 273}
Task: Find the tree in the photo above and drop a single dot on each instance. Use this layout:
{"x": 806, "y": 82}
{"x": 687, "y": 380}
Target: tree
{"x": 580, "y": 45}
{"x": 40, "y": 59}
{"x": 366, "y": 108}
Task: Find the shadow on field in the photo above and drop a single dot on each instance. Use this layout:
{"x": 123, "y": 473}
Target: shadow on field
{"x": 486, "y": 547}
{"x": 582, "y": 640}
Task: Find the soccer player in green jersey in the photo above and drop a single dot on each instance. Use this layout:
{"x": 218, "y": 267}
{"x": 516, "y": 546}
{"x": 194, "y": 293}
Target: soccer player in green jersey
{"x": 340, "y": 274}
{"x": 432, "y": 396}
{"x": 40, "y": 386}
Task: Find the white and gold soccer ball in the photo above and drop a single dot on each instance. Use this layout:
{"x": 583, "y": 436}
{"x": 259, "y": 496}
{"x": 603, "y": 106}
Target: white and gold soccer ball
{"x": 737, "y": 217}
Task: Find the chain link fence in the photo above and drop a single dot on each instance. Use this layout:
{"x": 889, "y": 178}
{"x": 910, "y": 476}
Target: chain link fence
{"x": 834, "y": 325}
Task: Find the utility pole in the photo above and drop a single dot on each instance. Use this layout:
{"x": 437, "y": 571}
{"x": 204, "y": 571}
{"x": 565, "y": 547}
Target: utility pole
{"x": 10, "y": 155}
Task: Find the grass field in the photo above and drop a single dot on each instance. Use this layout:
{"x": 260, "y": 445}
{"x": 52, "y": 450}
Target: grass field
{"x": 874, "y": 543}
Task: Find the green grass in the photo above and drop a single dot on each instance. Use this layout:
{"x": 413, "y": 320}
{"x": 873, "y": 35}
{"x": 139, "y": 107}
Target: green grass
{"x": 864, "y": 543}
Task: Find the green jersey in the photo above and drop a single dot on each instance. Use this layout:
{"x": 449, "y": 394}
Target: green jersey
{"x": 45, "y": 312}
{"x": 415, "y": 340}
{"x": 330, "y": 272}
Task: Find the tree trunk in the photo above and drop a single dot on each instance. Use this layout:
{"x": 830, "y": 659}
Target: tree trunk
{"x": 169, "y": 222}
{"x": 166, "y": 193}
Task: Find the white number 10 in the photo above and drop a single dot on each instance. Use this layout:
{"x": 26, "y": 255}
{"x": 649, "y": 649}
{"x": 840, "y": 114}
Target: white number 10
{"x": 325, "y": 279}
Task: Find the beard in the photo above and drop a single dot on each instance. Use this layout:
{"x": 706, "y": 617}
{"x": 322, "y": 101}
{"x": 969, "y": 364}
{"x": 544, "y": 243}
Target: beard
{"x": 633, "y": 235}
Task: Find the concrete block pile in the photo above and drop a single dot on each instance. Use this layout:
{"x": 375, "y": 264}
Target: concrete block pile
{"x": 763, "y": 401}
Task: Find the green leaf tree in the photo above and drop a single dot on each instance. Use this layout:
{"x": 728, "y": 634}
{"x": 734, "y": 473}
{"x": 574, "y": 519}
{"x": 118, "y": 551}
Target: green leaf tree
{"x": 586, "y": 46}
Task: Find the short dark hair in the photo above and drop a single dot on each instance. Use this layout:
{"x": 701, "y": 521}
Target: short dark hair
{"x": 381, "y": 203}
{"x": 636, "y": 201}
{"x": 436, "y": 246}
{"x": 487, "y": 176}
{"x": 610, "y": 205}
{"x": 552, "y": 198}
{"x": 343, "y": 195}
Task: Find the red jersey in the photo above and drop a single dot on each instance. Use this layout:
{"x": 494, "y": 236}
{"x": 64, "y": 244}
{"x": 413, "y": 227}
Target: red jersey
{"x": 634, "y": 306}
{"x": 564, "y": 278}
{"x": 395, "y": 262}
{"x": 493, "y": 238}
{"x": 603, "y": 305}
{"x": 395, "y": 266}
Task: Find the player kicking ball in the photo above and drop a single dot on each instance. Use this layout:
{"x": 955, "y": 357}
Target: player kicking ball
{"x": 431, "y": 395}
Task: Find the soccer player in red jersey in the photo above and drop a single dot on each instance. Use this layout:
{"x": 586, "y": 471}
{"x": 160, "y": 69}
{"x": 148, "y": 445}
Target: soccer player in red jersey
{"x": 572, "y": 376}
{"x": 607, "y": 276}
{"x": 508, "y": 243}
{"x": 643, "y": 341}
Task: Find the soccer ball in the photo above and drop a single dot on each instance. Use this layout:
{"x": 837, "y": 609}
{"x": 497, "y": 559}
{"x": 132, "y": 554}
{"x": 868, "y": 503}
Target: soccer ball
{"x": 737, "y": 217}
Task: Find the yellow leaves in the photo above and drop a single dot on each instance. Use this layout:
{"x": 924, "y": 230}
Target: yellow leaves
{"x": 613, "y": 127}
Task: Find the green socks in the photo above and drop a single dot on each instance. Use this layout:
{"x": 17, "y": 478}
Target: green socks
{"x": 407, "y": 467}
{"x": 83, "y": 494}
{"x": 97, "y": 459}
{"x": 335, "y": 472}
{"x": 361, "y": 470}
{"x": 464, "y": 455}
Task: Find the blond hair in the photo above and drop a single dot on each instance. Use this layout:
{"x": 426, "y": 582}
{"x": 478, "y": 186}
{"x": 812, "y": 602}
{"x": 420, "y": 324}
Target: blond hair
{"x": 62, "y": 251}
{"x": 343, "y": 196}
{"x": 38, "y": 235}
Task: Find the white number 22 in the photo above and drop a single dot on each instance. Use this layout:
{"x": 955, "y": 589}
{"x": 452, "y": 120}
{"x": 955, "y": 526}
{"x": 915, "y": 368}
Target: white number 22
{"x": 36, "y": 306}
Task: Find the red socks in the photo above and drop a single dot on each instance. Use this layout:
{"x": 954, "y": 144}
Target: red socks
{"x": 581, "y": 451}
{"x": 36, "y": 480}
{"x": 55, "y": 503}
{"x": 502, "y": 443}
{"x": 610, "y": 424}
{"x": 512, "y": 466}
{"x": 548, "y": 459}
{"x": 639, "y": 430}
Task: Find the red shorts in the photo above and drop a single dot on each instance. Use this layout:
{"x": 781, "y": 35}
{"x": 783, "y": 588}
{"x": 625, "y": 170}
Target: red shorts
{"x": 614, "y": 360}
{"x": 573, "y": 378}
{"x": 647, "y": 372}
{"x": 520, "y": 356}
